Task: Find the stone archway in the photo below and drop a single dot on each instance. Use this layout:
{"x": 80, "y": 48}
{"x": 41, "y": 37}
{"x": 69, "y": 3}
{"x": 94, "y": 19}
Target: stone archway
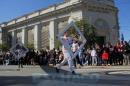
{"x": 103, "y": 29}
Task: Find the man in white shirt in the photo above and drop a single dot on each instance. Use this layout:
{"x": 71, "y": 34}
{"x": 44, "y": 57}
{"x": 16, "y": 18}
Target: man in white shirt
{"x": 75, "y": 47}
{"x": 94, "y": 56}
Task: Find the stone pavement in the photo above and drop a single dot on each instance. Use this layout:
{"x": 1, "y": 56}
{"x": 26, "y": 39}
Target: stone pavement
{"x": 46, "y": 76}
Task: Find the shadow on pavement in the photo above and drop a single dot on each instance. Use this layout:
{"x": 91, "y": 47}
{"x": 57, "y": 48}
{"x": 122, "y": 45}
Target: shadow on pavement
{"x": 51, "y": 69}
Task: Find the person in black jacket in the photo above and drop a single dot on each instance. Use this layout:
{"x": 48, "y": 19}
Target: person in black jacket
{"x": 126, "y": 53}
{"x": 53, "y": 57}
{"x": 20, "y": 62}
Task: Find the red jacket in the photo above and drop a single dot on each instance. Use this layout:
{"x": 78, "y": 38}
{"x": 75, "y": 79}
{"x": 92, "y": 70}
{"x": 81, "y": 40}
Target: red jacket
{"x": 105, "y": 56}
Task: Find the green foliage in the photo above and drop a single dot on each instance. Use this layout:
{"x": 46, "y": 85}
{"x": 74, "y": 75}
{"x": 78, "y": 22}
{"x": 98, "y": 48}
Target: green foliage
{"x": 4, "y": 47}
{"x": 89, "y": 34}
{"x": 88, "y": 30}
{"x": 72, "y": 32}
{"x": 30, "y": 45}
{"x": 57, "y": 44}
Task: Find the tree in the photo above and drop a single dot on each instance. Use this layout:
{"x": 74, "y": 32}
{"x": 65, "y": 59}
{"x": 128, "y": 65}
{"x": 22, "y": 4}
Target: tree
{"x": 57, "y": 44}
{"x": 30, "y": 45}
{"x": 4, "y": 47}
{"x": 89, "y": 31}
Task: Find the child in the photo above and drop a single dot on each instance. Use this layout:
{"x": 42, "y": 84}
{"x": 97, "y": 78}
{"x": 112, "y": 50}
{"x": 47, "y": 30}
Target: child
{"x": 105, "y": 57}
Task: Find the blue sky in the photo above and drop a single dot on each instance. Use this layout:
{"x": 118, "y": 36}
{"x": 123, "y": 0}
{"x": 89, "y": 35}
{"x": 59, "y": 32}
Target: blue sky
{"x": 10, "y": 9}
{"x": 124, "y": 17}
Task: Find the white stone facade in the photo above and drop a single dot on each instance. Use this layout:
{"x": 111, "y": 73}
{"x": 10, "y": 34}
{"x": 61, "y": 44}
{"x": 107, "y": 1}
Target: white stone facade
{"x": 41, "y": 27}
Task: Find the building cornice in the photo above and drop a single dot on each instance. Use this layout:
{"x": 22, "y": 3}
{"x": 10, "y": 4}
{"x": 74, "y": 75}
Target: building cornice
{"x": 49, "y": 11}
{"x": 40, "y": 18}
{"x": 56, "y": 9}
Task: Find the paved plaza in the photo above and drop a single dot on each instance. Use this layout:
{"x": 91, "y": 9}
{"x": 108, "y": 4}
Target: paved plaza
{"x": 46, "y": 76}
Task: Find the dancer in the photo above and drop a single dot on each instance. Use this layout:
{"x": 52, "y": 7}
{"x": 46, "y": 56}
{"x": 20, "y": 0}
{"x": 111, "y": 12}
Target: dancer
{"x": 67, "y": 56}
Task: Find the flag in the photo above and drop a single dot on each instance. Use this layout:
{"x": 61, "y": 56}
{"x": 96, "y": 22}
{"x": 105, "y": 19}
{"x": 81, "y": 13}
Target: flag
{"x": 122, "y": 37}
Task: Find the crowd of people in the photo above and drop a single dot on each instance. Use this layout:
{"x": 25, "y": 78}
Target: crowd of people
{"x": 110, "y": 55}
{"x": 95, "y": 55}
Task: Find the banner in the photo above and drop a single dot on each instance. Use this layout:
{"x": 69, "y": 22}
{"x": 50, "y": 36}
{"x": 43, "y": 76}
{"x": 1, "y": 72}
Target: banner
{"x": 68, "y": 45}
{"x": 19, "y": 50}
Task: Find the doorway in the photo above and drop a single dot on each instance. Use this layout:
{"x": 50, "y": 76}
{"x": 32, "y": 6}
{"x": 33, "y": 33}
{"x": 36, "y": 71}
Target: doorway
{"x": 100, "y": 40}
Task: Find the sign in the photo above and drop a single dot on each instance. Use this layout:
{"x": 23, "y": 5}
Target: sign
{"x": 67, "y": 45}
{"x": 19, "y": 50}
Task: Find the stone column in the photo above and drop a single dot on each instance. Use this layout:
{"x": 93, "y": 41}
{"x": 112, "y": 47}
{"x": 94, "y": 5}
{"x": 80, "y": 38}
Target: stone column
{"x": 36, "y": 37}
{"x": 24, "y": 36}
{"x": 13, "y": 38}
{"x": 52, "y": 34}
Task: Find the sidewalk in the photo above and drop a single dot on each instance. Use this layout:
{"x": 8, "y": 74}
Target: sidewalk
{"x": 28, "y": 70}
{"x": 87, "y": 76}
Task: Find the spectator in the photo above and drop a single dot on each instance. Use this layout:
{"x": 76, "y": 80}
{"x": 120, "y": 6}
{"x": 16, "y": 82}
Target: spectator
{"x": 94, "y": 56}
{"x": 105, "y": 58}
{"x": 126, "y": 52}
